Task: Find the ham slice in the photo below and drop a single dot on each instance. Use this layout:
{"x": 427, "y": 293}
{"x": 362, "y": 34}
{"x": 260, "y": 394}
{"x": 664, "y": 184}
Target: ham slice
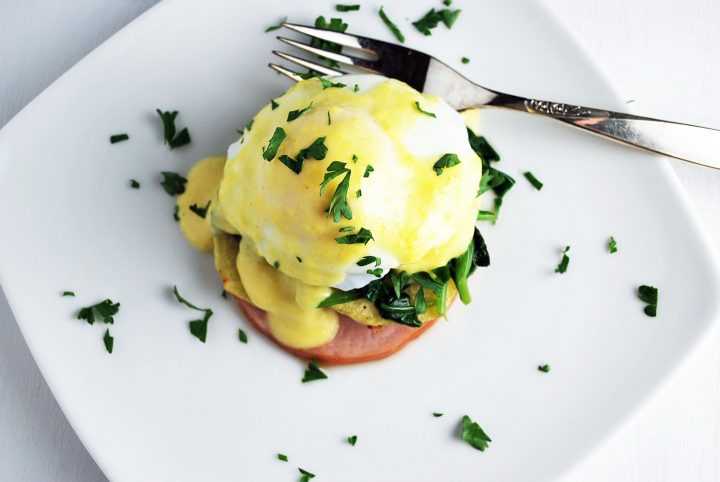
{"x": 353, "y": 343}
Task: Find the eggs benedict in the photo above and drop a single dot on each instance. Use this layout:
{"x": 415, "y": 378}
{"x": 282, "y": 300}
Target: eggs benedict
{"x": 343, "y": 219}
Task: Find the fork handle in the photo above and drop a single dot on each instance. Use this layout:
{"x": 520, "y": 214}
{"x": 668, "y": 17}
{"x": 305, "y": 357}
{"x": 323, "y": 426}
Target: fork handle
{"x": 699, "y": 145}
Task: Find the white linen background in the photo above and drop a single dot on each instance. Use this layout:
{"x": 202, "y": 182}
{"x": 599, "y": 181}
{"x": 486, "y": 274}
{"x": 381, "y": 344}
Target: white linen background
{"x": 663, "y": 54}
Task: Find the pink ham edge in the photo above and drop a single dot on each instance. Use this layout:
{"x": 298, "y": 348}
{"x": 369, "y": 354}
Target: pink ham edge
{"x": 353, "y": 343}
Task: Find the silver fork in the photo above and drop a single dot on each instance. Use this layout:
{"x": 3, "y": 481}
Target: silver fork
{"x": 699, "y": 145}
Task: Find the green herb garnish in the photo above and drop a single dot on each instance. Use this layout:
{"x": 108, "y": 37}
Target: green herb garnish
{"x": 108, "y": 340}
{"x": 338, "y": 203}
{"x": 417, "y": 104}
{"x": 336, "y": 25}
{"x": 358, "y": 193}
{"x": 431, "y": 20}
{"x": 393, "y": 28}
{"x": 446, "y": 161}
{"x": 223, "y": 293}
{"x": 361, "y": 237}
{"x": 274, "y": 144}
{"x": 197, "y": 327}
{"x": 544, "y": 368}
{"x": 533, "y": 180}
{"x": 649, "y": 295}
{"x": 105, "y": 311}
{"x": 482, "y": 148}
{"x": 316, "y": 150}
{"x": 114, "y": 139}
{"x": 200, "y": 211}
{"x": 346, "y": 229}
{"x": 273, "y": 105}
{"x": 277, "y": 26}
{"x": 242, "y": 336}
{"x": 299, "y": 259}
{"x": 347, "y": 8}
{"x": 294, "y": 114}
{"x": 173, "y": 183}
{"x": 175, "y": 213}
{"x": 464, "y": 265}
{"x": 313, "y": 372}
{"x": 562, "y": 267}
{"x": 352, "y": 440}
{"x": 306, "y": 476}
{"x": 474, "y": 435}
{"x": 366, "y": 260}
{"x": 328, "y": 84}
{"x": 612, "y": 245}
{"x": 356, "y": 88}
{"x": 447, "y": 3}
{"x": 465, "y": 60}
{"x": 282, "y": 457}
{"x": 276, "y": 265}
{"x": 169, "y": 130}
{"x": 329, "y": 119}
{"x": 368, "y": 170}
{"x": 437, "y": 414}
{"x": 68, "y": 293}
{"x": 134, "y": 184}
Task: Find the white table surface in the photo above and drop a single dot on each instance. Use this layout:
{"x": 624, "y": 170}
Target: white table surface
{"x": 663, "y": 54}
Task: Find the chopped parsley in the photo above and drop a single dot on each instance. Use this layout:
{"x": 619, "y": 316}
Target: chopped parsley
{"x": 200, "y": 211}
{"x": 282, "y": 457}
{"x": 346, "y": 229}
{"x": 533, "y": 180}
{"x": 114, "y": 139}
{"x": 361, "y": 237}
{"x": 134, "y": 184}
{"x": 108, "y": 340}
{"x": 172, "y": 138}
{"x": 336, "y": 25}
{"x": 306, "y": 476}
{"x": 276, "y": 265}
{"x": 329, "y": 119}
{"x": 278, "y": 26}
{"x": 356, "y": 88}
{"x": 447, "y": 3}
{"x": 649, "y": 295}
{"x": 431, "y": 20}
{"x": 317, "y": 150}
{"x": 105, "y": 311}
{"x": 474, "y": 435}
{"x": 355, "y": 158}
{"x": 294, "y": 114}
{"x": 273, "y": 105}
{"x": 377, "y": 272}
{"x": 393, "y": 28}
{"x": 366, "y": 260}
{"x": 358, "y": 193}
{"x": 68, "y": 293}
{"x": 299, "y": 259}
{"x": 437, "y": 414}
{"x": 430, "y": 114}
{"x": 197, "y": 327}
{"x": 274, "y": 144}
{"x": 446, "y": 161}
{"x": 242, "y": 336}
{"x": 338, "y": 203}
{"x": 482, "y": 148}
{"x": 328, "y": 84}
{"x": 175, "y": 214}
{"x": 465, "y": 60}
{"x": 313, "y": 372}
{"x": 347, "y": 8}
{"x": 612, "y": 245}
{"x": 368, "y": 170}
{"x": 562, "y": 267}
{"x": 544, "y": 368}
{"x": 352, "y": 440}
{"x": 173, "y": 183}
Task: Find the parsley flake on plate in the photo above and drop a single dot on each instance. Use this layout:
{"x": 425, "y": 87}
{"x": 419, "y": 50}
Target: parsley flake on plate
{"x": 313, "y": 372}
{"x": 446, "y": 161}
{"x": 339, "y": 207}
{"x": 437, "y": 414}
{"x": 352, "y": 440}
{"x": 294, "y": 114}
{"x": 361, "y": 237}
{"x": 347, "y": 8}
{"x": 562, "y": 267}
{"x": 134, "y": 184}
{"x": 171, "y": 137}
{"x": 197, "y": 327}
{"x": 306, "y": 476}
{"x": 649, "y": 295}
{"x": 175, "y": 214}
{"x": 544, "y": 368}
{"x": 431, "y": 20}
{"x": 273, "y": 144}
{"x": 105, "y": 311}
{"x": 533, "y": 180}
{"x": 273, "y": 105}
{"x": 482, "y": 148}
{"x": 282, "y": 457}
{"x": 612, "y": 245}
{"x": 68, "y": 293}
{"x": 242, "y": 336}
{"x": 336, "y": 25}
{"x": 429, "y": 114}
{"x": 200, "y": 211}
{"x": 474, "y": 435}
{"x": 173, "y": 183}
{"x": 109, "y": 341}
{"x": 391, "y": 25}
{"x": 465, "y": 60}
{"x": 276, "y": 26}
{"x": 114, "y": 139}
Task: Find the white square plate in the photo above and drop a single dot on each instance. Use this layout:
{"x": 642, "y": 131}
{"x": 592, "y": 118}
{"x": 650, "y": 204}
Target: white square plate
{"x": 165, "y": 407}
